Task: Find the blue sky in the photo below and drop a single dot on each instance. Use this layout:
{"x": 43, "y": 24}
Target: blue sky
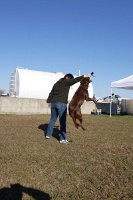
{"x": 68, "y": 35}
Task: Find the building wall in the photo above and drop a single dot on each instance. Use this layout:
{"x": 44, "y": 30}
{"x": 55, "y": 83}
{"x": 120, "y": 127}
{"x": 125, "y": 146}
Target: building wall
{"x": 36, "y": 84}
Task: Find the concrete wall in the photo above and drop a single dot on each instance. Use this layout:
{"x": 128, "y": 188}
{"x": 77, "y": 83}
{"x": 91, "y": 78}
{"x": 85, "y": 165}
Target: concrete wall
{"x": 10, "y": 105}
{"x": 127, "y": 106}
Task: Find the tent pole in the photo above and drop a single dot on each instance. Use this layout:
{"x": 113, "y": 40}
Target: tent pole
{"x": 110, "y": 102}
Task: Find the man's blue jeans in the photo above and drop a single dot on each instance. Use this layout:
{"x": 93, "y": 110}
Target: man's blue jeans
{"x": 58, "y": 109}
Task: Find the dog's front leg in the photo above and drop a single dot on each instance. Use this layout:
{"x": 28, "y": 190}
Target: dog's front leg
{"x": 91, "y": 99}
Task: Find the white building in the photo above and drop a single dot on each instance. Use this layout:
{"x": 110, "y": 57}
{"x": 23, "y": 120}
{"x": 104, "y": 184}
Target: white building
{"x": 26, "y": 83}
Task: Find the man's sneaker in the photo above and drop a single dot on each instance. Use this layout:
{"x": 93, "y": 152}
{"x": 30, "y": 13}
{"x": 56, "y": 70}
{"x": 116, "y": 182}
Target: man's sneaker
{"x": 47, "y": 137}
{"x": 64, "y": 141}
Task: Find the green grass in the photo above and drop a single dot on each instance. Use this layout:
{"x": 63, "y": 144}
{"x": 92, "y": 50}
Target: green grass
{"x": 97, "y": 164}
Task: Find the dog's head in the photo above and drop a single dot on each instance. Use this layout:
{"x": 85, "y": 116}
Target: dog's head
{"x": 85, "y": 81}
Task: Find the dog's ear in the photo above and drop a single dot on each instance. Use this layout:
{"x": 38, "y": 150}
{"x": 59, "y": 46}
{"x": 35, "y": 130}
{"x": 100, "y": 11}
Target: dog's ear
{"x": 85, "y": 81}
{"x": 88, "y": 80}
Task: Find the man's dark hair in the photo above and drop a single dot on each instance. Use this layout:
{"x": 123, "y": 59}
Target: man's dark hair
{"x": 70, "y": 76}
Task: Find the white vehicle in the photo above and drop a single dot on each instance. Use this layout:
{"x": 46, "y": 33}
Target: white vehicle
{"x": 4, "y": 95}
{"x": 99, "y": 99}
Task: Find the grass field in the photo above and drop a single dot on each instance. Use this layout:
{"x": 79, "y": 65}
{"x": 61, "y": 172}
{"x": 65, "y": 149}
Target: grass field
{"x": 97, "y": 164}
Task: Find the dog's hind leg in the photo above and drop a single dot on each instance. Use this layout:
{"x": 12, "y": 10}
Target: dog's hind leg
{"x": 79, "y": 117}
{"x": 76, "y": 124}
{"x": 74, "y": 120}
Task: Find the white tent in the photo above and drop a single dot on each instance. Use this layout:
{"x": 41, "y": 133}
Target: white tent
{"x": 125, "y": 83}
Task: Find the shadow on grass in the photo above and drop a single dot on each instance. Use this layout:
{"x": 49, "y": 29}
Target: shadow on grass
{"x": 56, "y": 130}
{"x": 15, "y": 192}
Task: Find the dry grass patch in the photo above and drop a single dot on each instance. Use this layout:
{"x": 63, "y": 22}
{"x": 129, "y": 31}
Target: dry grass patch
{"x": 96, "y": 164}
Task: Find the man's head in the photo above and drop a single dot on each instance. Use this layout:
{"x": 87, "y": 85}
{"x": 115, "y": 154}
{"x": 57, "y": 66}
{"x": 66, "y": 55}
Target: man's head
{"x": 68, "y": 76}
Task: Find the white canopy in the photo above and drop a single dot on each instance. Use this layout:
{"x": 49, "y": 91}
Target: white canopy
{"x": 126, "y": 83}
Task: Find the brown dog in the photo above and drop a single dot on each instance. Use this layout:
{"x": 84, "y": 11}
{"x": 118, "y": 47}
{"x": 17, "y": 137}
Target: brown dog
{"x": 78, "y": 99}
